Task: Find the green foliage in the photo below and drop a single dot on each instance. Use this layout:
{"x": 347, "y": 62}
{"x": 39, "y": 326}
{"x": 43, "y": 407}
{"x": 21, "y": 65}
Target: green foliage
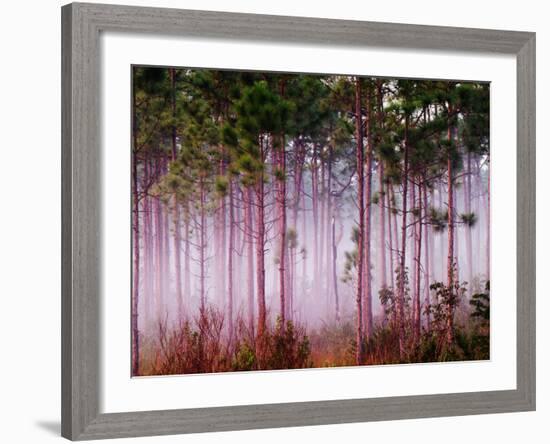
{"x": 261, "y": 110}
{"x": 279, "y": 174}
{"x": 245, "y": 358}
{"x": 468, "y": 219}
{"x": 352, "y": 258}
{"x": 229, "y": 136}
{"x": 288, "y": 347}
{"x": 474, "y": 128}
{"x": 388, "y": 300}
{"x": 201, "y": 345}
{"x": 445, "y": 299}
{"x": 222, "y": 185}
{"x": 389, "y": 296}
{"x": 335, "y": 345}
{"x": 480, "y": 303}
{"x": 438, "y": 219}
{"x": 292, "y": 238}
{"x": 446, "y": 296}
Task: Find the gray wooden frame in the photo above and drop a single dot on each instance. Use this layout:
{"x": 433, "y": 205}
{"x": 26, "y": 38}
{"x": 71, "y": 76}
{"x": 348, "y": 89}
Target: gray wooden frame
{"x": 81, "y": 232}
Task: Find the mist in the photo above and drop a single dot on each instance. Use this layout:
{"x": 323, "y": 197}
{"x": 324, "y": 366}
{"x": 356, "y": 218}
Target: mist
{"x": 247, "y": 229}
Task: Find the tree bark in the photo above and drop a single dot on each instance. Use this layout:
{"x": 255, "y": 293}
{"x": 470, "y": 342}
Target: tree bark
{"x": 395, "y": 226}
{"x": 418, "y": 252}
{"x": 299, "y": 154}
{"x": 427, "y": 242}
{"x": 260, "y": 258}
{"x": 282, "y": 229}
{"x": 159, "y": 253}
{"x": 223, "y": 235}
{"x": 334, "y": 272}
{"x": 367, "y": 309}
{"x": 135, "y": 284}
{"x": 147, "y": 295}
{"x": 468, "y": 209}
{"x": 166, "y": 239}
{"x": 450, "y": 231}
{"x": 176, "y": 211}
{"x": 402, "y": 258}
{"x": 187, "y": 254}
{"x": 202, "y": 252}
{"x": 322, "y": 217}
{"x": 390, "y": 240}
{"x": 249, "y": 237}
{"x": 382, "y": 247}
{"x": 412, "y": 248}
{"x": 304, "y": 235}
{"x": 383, "y": 258}
{"x": 488, "y": 235}
{"x": 315, "y": 209}
{"x": 231, "y": 249}
{"x": 361, "y": 205}
{"x": 330, "y": 261}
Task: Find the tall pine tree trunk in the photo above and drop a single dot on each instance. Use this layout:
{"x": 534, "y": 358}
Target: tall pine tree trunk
{"x": 223, "y": 235}
{"x": 202, "y": 246}
{"x": 136, "y": 239}
{"x": 329, "y": 225}
{"x": 395, "y": 227}
{"x": 334, "y": 272}
{"x": 231, "y": 249}
{"x": 260, "y": 258}
{"x": 298, "y": 179}
{"x": 159, "y": 255}
{"x": 147, "y": 247}
{"x": 282, "y": 229}
{"x": 402, "y": 257}
{"x": 488, "y": 234}
{"x": 304, "y": 236}
{"x": 381, "y": 191}
{"x": 390, "y": 241}
{"x": 477, "y": 210}
{"x": 361, "y": 232}
{"x": 427, "y": 250}
{"x": 176, "y": 211}
{"x": 187, "y": 252}
{"x": 451, "y": 233}
{"x": 322, "y": 228}
{"x": 315, "y": 208}
{"x": 238, "y": 242}
{"x": 412, "y": 248}
{"x": 166, "y": 242}
{"x": 367, "y": 309}
{"x": 382, "y": 247}
{"x": 249, "y": 238}
{"x": 441, "y": 236}
{"x": 418, "y": 253}
{"x": 468, "y": 209}
{"x": 177, "y": 257}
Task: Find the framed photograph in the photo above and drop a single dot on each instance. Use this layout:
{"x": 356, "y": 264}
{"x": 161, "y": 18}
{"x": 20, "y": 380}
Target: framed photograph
{"x": 278, "y": 221}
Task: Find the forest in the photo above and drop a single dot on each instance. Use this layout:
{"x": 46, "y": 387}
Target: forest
{"x": 284, "y": 221}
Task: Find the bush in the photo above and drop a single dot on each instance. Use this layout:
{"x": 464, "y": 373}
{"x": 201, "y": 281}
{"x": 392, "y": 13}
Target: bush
{"x": 203, "y": 346}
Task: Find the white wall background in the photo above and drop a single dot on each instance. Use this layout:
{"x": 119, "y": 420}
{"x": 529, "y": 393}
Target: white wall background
{"x": 30, "y": 221}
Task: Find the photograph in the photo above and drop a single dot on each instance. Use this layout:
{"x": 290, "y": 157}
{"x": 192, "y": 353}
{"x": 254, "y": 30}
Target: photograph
{"x": 262, "y": 222}
{"x": 287, "y": 221}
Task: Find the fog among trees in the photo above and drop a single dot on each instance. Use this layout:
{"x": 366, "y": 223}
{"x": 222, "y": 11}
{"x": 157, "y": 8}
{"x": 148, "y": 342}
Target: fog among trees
{"x": 290, "y": 221}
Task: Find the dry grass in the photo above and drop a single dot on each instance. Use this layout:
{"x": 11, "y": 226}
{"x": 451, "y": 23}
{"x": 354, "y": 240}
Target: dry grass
{"x": 202, "y": 345}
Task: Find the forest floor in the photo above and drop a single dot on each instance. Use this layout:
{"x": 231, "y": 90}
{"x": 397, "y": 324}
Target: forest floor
{"x": 204, "y": 347}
